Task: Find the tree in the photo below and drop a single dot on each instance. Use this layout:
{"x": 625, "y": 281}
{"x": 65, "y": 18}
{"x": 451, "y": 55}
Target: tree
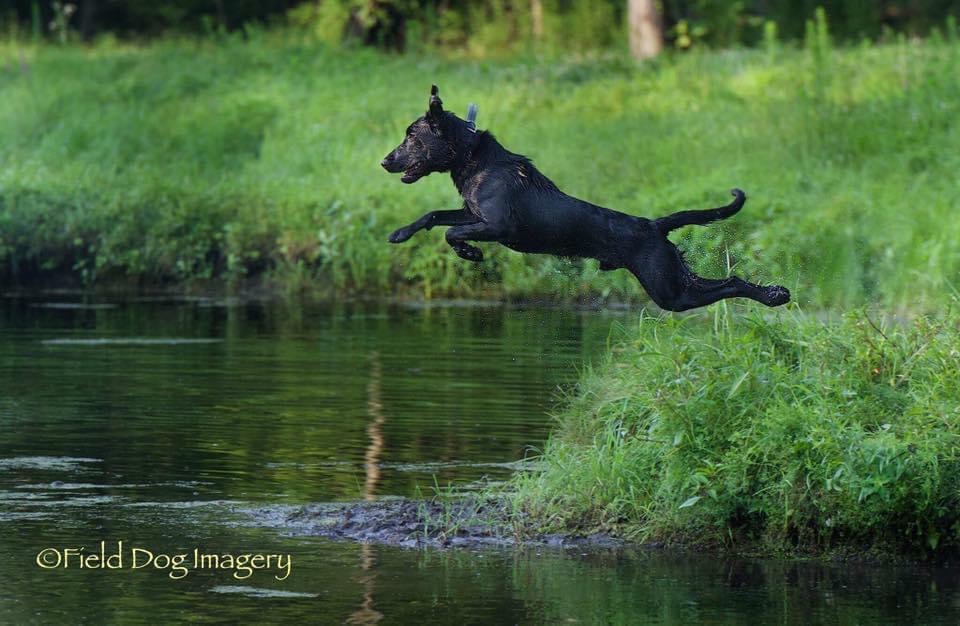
{"x": 646, "y": 34}
{"x": 536, "y": 16}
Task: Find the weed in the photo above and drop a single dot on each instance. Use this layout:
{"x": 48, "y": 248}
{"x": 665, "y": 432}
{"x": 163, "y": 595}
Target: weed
{"x": 786, "y": 433}
{"x": 197, "y": 160}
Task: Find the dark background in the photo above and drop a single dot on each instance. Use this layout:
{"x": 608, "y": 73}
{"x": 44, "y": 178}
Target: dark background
{"x": 389, "y": 23}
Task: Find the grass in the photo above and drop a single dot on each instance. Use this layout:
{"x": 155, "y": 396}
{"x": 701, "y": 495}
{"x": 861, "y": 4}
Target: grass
{"x": 227, "y": 160}
{"x": 771, "y": 435}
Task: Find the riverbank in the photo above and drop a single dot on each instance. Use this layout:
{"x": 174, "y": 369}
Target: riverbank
{"x": 790, "y": 435}
{"x": 781, "y": 436}
{"x": 442, "y": 522}
{"x": 187, "y": 162}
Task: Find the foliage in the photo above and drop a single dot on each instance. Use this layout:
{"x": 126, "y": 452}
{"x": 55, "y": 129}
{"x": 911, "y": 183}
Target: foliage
{"x": 258, "y": 156}
{"x": 484, "y": 27}
{"x": 786, "y": 433}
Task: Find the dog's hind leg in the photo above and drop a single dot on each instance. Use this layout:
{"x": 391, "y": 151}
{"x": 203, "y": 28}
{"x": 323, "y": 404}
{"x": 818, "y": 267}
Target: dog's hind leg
{"x": 431, "y": 219}
{"x": 700, "y": 218}
{"x": 698, "y": 292}
{"x": 704, "y": 291}
{"x": 674, "y": 287}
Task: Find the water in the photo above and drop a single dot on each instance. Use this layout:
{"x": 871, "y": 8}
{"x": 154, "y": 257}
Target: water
{"x": 157, "y": 422}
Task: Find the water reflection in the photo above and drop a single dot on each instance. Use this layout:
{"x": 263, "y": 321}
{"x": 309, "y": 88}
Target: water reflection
{"x": 366, "y": 614}
{"x": 371, "y": 458}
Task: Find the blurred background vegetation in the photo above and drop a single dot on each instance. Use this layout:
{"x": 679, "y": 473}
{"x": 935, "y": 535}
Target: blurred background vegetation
{"x": 198, "y": 143}
{"x": 479, "y": 26}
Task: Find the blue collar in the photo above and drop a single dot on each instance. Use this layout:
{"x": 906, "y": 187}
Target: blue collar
{"x": 472, "y": 117}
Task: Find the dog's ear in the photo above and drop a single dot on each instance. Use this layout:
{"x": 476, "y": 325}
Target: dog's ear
{"x": 436, "y": 105}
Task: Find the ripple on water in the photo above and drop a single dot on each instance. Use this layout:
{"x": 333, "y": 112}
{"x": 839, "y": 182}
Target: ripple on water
{"x": 58, "y": 463}
{"x": 128, "y": 341}
{"x": 73, "y": 306}
{"x": 62, "y": 486}
{"x": 520, "y": 465}
{"x": 14, "y": 496}
{"x": 76, "y": 501}
{"x": 16, "y": 516}
{"x": 193, "y": 504}
{"x": 423, "y": 467}
{"x": 258, "y": 592}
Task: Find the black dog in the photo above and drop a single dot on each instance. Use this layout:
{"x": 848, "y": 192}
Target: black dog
{"x": 507, "y": 200}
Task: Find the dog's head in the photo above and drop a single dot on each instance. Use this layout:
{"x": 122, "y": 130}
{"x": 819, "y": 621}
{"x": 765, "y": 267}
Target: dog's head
{"x": 435, "y": 142}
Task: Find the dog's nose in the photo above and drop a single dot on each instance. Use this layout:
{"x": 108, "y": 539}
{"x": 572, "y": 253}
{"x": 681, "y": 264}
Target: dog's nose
{"x": 385, "y": 162}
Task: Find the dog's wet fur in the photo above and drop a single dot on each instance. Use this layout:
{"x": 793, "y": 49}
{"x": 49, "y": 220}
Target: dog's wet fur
{"x": 507, "y": 200}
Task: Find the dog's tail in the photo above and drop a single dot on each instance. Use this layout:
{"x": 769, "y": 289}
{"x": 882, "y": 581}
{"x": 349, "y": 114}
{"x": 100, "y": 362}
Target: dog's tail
{"x": 699, "y": 218}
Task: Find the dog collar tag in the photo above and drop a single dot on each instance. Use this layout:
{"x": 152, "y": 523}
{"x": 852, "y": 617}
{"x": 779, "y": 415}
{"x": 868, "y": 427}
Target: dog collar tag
{"x": 472, "y": 117}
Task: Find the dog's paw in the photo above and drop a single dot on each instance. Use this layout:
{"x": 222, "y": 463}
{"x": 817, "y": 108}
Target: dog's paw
{"x": 470, "y": 253}
{"x": 400, "y": 235}
{"x": 777, "y": 295}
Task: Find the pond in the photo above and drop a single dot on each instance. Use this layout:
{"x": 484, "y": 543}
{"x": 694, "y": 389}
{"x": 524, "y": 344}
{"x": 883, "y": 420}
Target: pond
{"x": 156, "y": 421}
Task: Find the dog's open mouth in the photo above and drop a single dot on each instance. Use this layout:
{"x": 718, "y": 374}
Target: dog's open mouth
{"x": 413, "y": 174}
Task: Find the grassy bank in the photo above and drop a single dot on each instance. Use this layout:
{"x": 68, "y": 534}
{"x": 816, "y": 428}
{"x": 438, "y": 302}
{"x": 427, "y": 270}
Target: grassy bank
{"x": 228, "y": 159}
{"x": 785, "y": 434}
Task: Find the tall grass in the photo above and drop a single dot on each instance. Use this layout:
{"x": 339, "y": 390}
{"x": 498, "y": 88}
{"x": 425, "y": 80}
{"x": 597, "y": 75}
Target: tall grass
{"x": 227, "y": 159}
{"x": 777, "y": 434}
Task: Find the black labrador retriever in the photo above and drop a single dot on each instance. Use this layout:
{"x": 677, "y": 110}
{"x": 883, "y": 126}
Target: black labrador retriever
{"x": 507, "y": 200}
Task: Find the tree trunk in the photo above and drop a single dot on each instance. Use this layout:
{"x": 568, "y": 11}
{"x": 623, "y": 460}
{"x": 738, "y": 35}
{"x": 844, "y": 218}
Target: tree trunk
{"x": 221, "y": 15}
{"x": 646, "y": 36}
{"x": 88, "y": 11}
{"x": 536, "y": 17}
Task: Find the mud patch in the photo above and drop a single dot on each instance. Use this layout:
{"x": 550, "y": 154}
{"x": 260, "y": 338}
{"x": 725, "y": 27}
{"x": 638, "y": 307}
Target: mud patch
{"x": 466, "y": 523}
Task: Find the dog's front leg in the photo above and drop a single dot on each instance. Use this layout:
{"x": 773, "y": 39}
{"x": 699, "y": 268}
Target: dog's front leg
{"x": 458, "y": 236}
{"x": 431, "y": 219}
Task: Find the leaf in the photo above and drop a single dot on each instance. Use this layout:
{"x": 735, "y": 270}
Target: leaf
{"x": 689, "y": 502}
{"x": 737, "y": 384}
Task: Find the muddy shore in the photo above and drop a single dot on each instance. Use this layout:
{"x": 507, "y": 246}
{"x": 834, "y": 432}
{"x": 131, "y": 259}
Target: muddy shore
{"x": 415, "y": 524}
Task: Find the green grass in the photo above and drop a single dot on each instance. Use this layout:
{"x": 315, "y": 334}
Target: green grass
{"x": 225, "y": 160}
{"x": 780, "y": 434}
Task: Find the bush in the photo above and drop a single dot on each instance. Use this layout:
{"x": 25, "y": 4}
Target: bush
{"x": 788, "y": 433}
{"x": 235, "y": 158}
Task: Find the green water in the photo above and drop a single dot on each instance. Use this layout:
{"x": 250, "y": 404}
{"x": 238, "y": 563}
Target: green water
{"x": 157, "y": 422}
